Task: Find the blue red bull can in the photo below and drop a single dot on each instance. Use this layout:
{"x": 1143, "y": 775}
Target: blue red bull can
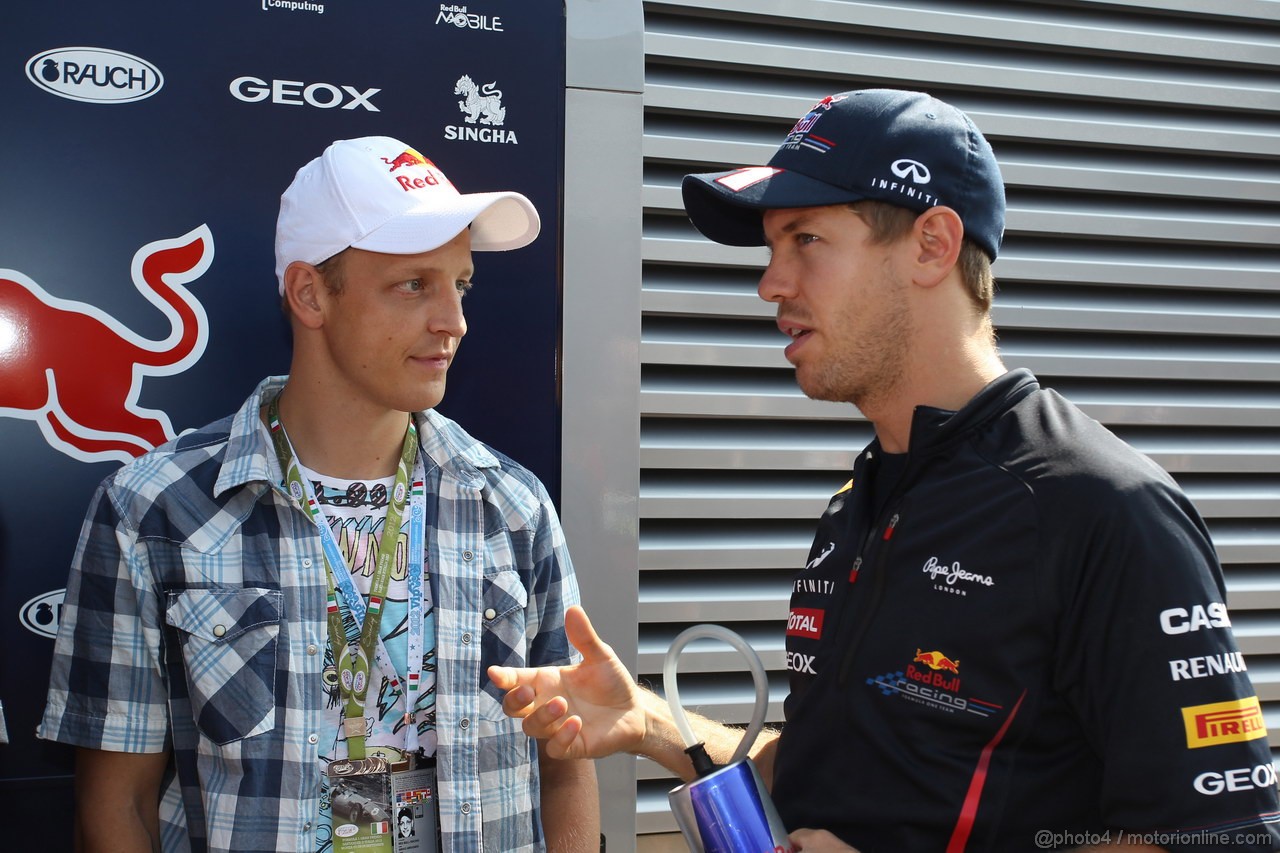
{"x": 729, "y": 811}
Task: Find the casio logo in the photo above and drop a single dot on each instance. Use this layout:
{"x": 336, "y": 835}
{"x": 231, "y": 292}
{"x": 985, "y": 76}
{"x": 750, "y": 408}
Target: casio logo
{"x": 326, "y": 96}
{"x": 1180, "y": 620}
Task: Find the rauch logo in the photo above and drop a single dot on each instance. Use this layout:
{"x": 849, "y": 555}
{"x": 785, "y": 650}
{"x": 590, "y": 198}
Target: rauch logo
{"x": 42, "y": 614}
{"x": 77, "y": 372}
{"x": 94, "y": 74}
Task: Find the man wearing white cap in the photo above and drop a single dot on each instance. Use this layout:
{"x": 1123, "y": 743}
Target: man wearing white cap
{"x": 238, "y": 629}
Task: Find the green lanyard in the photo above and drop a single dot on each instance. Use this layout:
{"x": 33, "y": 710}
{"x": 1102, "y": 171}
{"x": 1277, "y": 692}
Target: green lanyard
{"x": 356, "y": 651}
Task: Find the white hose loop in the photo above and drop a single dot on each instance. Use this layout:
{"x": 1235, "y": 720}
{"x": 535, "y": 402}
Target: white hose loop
{"x": 716, "y": 632}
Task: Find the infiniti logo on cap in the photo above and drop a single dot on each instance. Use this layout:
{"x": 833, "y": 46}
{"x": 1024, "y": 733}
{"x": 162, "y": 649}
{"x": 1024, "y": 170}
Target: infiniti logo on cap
{"x": 917, "y": 171}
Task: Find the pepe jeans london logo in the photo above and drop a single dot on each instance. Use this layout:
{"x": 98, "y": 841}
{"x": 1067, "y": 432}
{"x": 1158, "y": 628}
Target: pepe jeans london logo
{"x": 953, "y": 579}
{"x": 483, "y": 114}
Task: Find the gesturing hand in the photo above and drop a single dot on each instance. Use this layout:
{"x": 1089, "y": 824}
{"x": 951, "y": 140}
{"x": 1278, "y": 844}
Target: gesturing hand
{"x": 586, "y": 710}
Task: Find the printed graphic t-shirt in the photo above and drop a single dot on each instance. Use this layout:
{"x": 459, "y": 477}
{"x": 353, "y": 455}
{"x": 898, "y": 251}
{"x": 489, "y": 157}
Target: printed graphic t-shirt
{"x": 356, "y": 512}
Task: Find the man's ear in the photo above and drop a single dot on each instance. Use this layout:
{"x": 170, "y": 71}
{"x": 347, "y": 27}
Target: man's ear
{"x": 937, "y": 237}
{"x": 303, "y": 290}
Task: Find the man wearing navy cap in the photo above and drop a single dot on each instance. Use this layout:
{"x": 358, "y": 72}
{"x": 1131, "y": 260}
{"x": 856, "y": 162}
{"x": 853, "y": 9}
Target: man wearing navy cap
{"x": 1010, "y": 632}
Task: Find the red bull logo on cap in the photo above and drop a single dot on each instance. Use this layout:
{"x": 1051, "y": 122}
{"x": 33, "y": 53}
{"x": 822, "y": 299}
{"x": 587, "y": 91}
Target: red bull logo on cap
{"x": 425, "y": 173}
{"x": 408, "y": 158}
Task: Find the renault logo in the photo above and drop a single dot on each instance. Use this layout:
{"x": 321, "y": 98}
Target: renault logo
{"x": 915, "y": 170}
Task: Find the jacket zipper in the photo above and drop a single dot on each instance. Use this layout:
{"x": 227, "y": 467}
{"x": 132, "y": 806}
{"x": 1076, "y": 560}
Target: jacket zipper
{"x": 873, "y": 600}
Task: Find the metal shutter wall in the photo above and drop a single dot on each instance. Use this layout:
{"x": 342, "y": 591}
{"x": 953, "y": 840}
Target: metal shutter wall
{"x": 1141, "y": 145}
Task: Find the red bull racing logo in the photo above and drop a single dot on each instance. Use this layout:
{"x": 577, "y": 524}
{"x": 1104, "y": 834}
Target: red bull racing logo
{"x": 78, "y": 372}
{"x": 936, "y": 684}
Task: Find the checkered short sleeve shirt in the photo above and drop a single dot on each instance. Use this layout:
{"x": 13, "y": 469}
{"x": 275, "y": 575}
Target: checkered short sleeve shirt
{"x": 195, "y": 622}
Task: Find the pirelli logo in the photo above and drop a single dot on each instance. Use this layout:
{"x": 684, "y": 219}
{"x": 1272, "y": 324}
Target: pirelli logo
{"x": 1224, "y": 722}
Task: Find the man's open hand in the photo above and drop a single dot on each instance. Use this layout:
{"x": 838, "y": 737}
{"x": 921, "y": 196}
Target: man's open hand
{"x": 586, "y": 710}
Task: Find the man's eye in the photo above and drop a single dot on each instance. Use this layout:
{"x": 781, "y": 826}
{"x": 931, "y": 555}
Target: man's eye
{"x": 413, "y": 285}
{"x": 805, "y": 239}
{"x": 463, "y": 287}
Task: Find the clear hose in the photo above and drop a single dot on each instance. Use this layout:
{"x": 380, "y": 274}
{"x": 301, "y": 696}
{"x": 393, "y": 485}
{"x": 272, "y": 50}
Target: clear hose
{"x": 716, "y": 632}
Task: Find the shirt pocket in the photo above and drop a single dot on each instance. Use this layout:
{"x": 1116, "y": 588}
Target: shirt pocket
{"x": 228, "y": 639}
{"x": 503, "y": 641}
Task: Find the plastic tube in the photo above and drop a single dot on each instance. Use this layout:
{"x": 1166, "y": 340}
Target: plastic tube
{"x": 716, "y": 632}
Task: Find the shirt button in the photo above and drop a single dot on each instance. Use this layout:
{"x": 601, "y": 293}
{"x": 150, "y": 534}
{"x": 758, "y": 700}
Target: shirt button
{"x": 466, "y": 556}
{"x": 219, "y": 630}
{"x": 306, "y": 827}
{"x": 464, "y": 723}
{"x": 306, "y": 562}
{"x": 466, "y": 808}
{"x": 466, "y": 639}
{"x": 312, "y": 649}
{"x": 312, "y": 739}
{"x": 490, "y": 613}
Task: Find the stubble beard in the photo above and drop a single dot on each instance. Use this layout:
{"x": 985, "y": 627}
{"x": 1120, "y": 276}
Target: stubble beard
{"x": 866, "y": 367}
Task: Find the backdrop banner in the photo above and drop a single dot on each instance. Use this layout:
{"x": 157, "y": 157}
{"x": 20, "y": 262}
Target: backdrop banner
{"x": 140, "y": 175}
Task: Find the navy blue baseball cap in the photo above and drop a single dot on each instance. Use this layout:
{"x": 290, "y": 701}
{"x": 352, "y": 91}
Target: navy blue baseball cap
{"x": 903, "y": 148}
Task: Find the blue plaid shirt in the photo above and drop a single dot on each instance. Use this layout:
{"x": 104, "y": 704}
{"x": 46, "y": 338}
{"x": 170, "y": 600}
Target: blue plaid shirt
{"x": 195, "y": 622}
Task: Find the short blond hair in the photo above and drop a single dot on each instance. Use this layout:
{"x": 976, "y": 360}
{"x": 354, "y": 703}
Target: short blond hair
{"x": 888, "y": 222}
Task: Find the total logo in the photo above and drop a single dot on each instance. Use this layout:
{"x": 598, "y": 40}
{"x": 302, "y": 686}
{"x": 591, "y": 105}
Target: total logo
{"x": 324, "y": 96}
{"x": 936, "y": 684}
{"x": 805, "y": 622}
{"x": 464, "y": 20}
{"x": 480, "y": 105}
{"x": 88, "y": 408}
{"x": 1213, "y": 782}
{"x": 42, "y": 614}
{"x": 1180, "y": 620}
{"x": 94, "y": 75}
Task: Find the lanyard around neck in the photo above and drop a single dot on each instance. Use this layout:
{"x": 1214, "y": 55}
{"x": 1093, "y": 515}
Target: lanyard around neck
{"x": 356, "y": 644}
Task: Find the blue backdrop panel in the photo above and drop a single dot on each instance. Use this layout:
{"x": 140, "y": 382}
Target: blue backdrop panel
{"x": 145, "y": 145}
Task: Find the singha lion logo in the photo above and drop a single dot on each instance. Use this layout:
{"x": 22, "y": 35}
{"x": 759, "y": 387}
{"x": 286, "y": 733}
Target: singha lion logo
{"x": 482, "y": 102}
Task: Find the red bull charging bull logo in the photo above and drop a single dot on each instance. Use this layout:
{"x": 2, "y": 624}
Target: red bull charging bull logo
{"x": 937, "y": 660}
{"x": 77, "y": 372}
{"x": 408, "y": 158}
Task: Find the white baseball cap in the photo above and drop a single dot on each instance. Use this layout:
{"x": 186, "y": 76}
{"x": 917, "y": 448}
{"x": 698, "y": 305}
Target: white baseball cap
{"x": 378, "y": 194}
